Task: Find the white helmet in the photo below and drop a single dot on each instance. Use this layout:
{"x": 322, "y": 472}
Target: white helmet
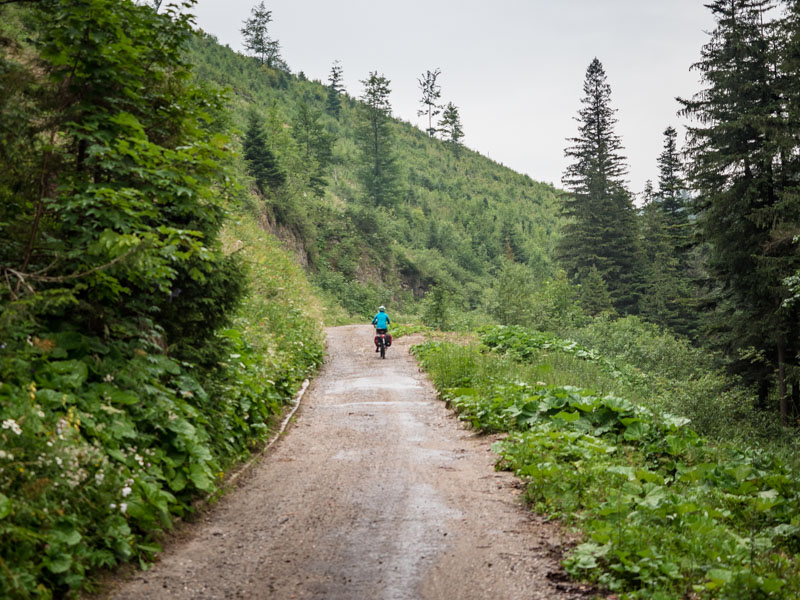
{"x": 382, "y": 308}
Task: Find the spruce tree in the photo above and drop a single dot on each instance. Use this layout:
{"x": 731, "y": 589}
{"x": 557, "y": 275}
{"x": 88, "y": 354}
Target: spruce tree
{"x": 378, "y": 171}
{"x": 741, "y": 169}
{"x": 666, "y": 241}
{"x": 431, "y": 92}
{"x": 593, "y": 297}
{"x": 334, "y": 102}
{"x": 450, "y": 127}
{"x": 261, "y": 162}
{"x": 601, "y": 231}
{"x": 315, "y": 145}
{"x": 257, "y": 40}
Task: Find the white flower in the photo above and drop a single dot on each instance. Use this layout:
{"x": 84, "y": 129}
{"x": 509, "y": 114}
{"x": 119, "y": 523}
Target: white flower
{"x": 126, "y": 491}
{"x": 41, "y": 414}
{"x": 108, "y": 378}
{"x": 8, "y": 455}
{"x": 99, "y": 476}
{"x": 112, "y": 506}
{"x": 12, "y": 425}
{"x": 123, "y": 507}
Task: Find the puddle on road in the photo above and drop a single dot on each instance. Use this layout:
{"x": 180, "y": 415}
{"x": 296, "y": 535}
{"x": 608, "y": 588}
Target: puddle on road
{"x": 383, "y": 382}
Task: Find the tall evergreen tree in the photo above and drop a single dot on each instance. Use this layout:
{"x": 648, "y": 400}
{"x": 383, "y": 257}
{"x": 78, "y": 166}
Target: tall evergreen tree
{"x": 258, "y": 41}
{"x": 315, "y": 145}
{"x": 261, "y": 162}
{"x": 431, "y": 92}
{"x": 379, "y": 169}
{"x": 741, "y": 167}
{"x": 335, "y": 88}
{"x": 666, "y": 242}
{"x": 450, "y": 126}
{"x": 601, "y": 232}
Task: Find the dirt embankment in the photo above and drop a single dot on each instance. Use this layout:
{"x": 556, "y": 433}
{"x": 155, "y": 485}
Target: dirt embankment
{"x": 376, "y": 492}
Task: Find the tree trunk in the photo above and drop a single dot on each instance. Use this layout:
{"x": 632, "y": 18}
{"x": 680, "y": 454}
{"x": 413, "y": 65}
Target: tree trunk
{"x": 784, "y": 396}
{"x": 763, "y": 392}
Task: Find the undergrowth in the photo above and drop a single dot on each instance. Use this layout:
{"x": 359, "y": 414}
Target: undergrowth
{"x": 666, "y": 513}
{"x": 103, "y": 446}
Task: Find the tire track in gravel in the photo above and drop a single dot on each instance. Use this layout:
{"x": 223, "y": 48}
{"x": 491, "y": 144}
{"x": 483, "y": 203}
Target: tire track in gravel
{"x": 376, "y": 492}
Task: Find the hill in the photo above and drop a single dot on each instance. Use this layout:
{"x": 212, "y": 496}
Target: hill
{"x": 458, "y": 215}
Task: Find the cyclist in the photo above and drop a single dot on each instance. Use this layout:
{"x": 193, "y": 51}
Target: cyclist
{"x": 381, "y": 322}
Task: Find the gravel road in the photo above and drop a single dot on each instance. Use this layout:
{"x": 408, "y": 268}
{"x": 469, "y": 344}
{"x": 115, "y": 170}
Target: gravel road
{"x": 375, "y": 492}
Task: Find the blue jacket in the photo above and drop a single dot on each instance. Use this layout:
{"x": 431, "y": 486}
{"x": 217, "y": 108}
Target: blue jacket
{"x": 381, "y": 320}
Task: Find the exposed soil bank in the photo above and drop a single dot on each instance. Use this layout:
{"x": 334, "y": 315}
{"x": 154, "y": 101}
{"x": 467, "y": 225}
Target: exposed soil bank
{"x": 376, "y": 492}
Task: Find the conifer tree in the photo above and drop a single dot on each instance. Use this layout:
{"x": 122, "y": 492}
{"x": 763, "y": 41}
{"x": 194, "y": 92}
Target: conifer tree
{"x": 261, "y": 162}
{"x": 594, "y": 298}
{"x": 378, "y": 170}
{"x": 315, "y": 145}
{"x": 258, "y": 41}
{"x": 334, "y": 102}
{"x": 601, "y": 232}
{"x": 450, "y": 127}
{"x": 666, "y": 242}
{"x": 431, "y": 92}
{"x": 741, "y": 167}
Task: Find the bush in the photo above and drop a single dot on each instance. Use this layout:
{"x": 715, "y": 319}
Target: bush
{"x": 666, "y": 514}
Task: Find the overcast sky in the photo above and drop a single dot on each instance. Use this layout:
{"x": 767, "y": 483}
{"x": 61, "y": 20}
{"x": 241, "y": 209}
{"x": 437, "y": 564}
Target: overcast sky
{"x": 514, "y": 68}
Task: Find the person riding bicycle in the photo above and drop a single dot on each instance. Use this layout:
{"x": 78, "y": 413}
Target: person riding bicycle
{"x": 381, "y": 322}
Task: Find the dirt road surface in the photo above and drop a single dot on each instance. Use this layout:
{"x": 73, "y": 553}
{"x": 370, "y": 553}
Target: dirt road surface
{"x": 376, "y": 492}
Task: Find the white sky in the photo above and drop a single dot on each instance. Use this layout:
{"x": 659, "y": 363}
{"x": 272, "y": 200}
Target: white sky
{"x": 514, "y": 68}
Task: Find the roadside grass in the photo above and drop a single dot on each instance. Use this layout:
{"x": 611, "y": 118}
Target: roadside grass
{"x": 666, "y": 513}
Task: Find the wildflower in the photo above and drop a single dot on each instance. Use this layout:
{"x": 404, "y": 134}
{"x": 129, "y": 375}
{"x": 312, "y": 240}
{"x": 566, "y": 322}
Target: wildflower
{"x": 8, "y": 455}
{"x": 112, "y": 506}
{"x": 123, "y": 507}
{"x": 108, "y": 378}
{"x": 12, "y": 425}
{"x": 41, "y": 414}
{"x": 126, "y": 492}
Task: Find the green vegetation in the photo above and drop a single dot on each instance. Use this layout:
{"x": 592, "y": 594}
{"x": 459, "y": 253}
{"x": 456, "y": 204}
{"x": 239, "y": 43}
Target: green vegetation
{"x": 666, "y": 513}
{"x": 601, "y": 232}
{"x": 455, "y": 214}
{"x": 124, "y": 392}
{"x": 152, "y": 329}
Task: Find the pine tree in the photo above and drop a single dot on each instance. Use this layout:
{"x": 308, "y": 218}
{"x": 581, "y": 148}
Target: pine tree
{"x": 378, "y": 172}
{"x": 257, "y": 40}
{"x": 450, "y": 127}
{"x": 261, "y": 162}
{"x": 335, "y": 88}
{"x": 601, "y": 232}
{"x": 741, "y": 167}
{"x": 431, "y": 92}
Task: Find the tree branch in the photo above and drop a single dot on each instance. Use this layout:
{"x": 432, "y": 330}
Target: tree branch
{"x": 25, "y": 277}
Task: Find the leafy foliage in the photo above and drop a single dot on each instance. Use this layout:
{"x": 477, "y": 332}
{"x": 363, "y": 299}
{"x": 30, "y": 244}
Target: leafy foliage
{"x": 124, "y": 393}
{"x": 666, "y": 514}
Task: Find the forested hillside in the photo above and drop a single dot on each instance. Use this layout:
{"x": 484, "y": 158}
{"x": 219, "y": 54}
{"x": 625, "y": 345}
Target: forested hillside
{"x": 453, "y": 219}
